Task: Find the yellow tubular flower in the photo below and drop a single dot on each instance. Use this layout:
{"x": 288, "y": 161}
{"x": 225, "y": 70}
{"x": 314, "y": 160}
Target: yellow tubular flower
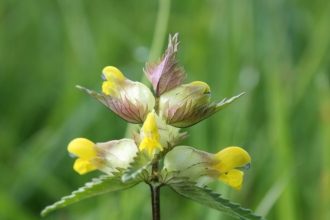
{"x": 110, "y": 73}
{"x": 151, "y": 136}
{"x": 83, "y": 149}
{"x": 230, "y": 158}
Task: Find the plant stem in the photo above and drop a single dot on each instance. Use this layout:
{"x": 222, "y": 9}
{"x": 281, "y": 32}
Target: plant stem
{"x": 155, "y": 51}
{"x": 155, "y": 201}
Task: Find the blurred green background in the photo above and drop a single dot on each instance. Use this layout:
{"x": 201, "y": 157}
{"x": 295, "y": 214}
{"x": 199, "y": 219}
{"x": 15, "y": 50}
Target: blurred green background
{"x": 276, "y": 51}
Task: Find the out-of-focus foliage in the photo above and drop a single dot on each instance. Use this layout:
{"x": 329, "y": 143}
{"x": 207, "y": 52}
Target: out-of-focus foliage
{"x": 276, "y": 51}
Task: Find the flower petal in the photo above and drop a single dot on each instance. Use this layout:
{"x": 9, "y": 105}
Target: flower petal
{"x": 83, "y": 166}
{"x": 107, "y": 88}
{"x": 151, "y": 136}
{"x": 150, "y": 145}
{"x": 82, "y": 147}
{"x": 232, "y": 157}
{"x": 111, "y": 72}
{"x": 233, "y": 178}
{"x": 150, "y": 128}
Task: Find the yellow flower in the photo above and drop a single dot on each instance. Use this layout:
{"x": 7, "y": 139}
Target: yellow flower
{"x": 110, "y": 73}
{"x": 186, "y": 105}
{"x": 231, "y": 158}
{"x": 195, "y": 93}
{"x": 130, "y": 100}
{"x": 150, "y": 135}
{"x": 83, "y": 149}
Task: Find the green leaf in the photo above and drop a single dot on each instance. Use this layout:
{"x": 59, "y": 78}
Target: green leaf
{"x": 207, "y": 197}
{"x": 103, "y": 184}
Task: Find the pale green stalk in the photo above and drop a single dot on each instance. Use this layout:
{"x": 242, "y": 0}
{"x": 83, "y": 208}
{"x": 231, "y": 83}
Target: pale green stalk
{"x": 157, "y": 43}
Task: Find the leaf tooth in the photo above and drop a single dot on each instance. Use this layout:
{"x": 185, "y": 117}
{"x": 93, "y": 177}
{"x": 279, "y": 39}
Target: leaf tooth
{"x": 223, "y": 200}
{"x": 214, "y": 195}
{"x": 256, "y": 217}
{"x": 233, "y": 205}
{"x": 207, "y": 197}
{"x": 244, "y": 211}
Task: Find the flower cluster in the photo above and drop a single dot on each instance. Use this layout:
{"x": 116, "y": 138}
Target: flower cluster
{"x": 171, "y": 106}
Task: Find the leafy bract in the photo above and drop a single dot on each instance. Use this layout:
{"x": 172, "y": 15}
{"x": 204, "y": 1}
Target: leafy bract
{"x": 142, "y": 163}
{"x": 132, "y": 112}
{"x": 166, "y": 75}
{"x": 187, "y": 114}
{"x": 207, "y": 197}
{"x": 103, "y": 184}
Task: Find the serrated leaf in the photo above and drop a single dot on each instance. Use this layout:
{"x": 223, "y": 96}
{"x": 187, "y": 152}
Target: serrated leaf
{"x": 207, "y": 197}
{"x": 188, "y": 114}
{"x": 103, "y": 184}
{"x": 140, "y": 163}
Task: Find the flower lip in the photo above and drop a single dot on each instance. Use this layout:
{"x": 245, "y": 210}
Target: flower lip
{"x": 111, "y": 72}
{"x": 82, "y": 149}
{"x": 151, "y": 136}
{"x": 72, "y": 155}
{"x": 232, "y": 161}
{"x": 231, "y": 158}
{"x": 245, "y": 167}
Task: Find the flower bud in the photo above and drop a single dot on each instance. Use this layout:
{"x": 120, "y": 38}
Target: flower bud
{"x": 195, "y": 93}
{"x": 181, "y": 103}
{"x": 167, "y": 134}
{"x": 189, "y": 104}
{"x": 150, "y": 140}
{"x": 117, "y": 85}
{"x": 130, "y": 100}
